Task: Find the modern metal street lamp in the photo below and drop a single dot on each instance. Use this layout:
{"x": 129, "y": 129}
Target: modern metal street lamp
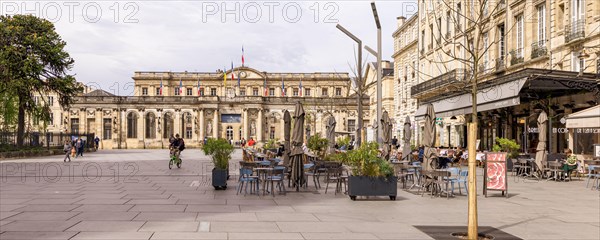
{"x": 378, "y": 133}
{"x": 358, "y": 83}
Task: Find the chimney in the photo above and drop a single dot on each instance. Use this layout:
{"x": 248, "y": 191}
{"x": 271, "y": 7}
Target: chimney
{"x": 400, "y": 20}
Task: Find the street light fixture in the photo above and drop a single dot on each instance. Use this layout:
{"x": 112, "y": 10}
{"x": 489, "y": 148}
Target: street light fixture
{"x": 379, "y": 72}
{"x": 358, "y": 83}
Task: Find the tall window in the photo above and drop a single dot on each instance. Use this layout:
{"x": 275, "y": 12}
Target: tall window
{"x": 501, "y": 50}
{"x": 242, "y": 92}
{"x": 439, "y": 37}
{"x": 132, "y": 125}
{"x": 577, "y": 64}
{"x": 324, "y": 92}
{"x": 145, "y": 91}
{"x": 423, "y": 40}
{"x": 271, "y": 91}
{"x": 186, "y": 125}
{"x": 202, "y": 92}
{"x": 157, "y": 91}
{"x": 520, "y": 36}
{"x": 351, "y": 125}
{"x": 486, "y": 55}
{"x": 150, "y": 125}
{"x": 168, "y": 128}
{"x": 307, "y": 92}
{"x": 338, "y": 91}
{"x": 106, "y": 128}
{"x": 213, "y": 92}
{"x": 541, "y": 14}
{"x": 458, "y": 18}
{"x": 75, "y": 125}
{"x": 177, "y": 91}
{"x": 430, "y": 37}
{"x": 448, "y": 22}
{"x": 254, "y": 91}
{"x": 577, "y": 11}
{"x": 295, "y": 92}
{"x": 272, "y": 133}
{"x": 50, "y": 101}
{"x": 188, "y": 91}
{"x": 51, "y": 119}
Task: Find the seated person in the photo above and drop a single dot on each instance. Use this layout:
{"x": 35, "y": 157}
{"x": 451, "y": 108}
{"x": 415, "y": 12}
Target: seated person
{"x": 571, "y": 163}
{"x": 458, "y": 155}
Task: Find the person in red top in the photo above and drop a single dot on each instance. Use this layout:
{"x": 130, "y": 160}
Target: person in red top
{"x": 251, "y": 142}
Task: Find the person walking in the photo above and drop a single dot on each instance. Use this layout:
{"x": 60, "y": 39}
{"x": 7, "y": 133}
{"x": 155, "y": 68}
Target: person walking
{"x": 78, "y": 148}
{"x": 67, "y": 149}
{"x": 96, "y": 142}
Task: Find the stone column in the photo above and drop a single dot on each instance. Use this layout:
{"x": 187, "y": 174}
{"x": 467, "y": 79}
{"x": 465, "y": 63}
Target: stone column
{"x": 245, "y": 126}
{"x": 201, "y": 125}
{"x": 177, "y": 123}
{"x": 82, "y": 120}
{"x": 141, "y": 126}
{"x": 282, "y": 124}
{"x": 98, "y": 127}
{"x": 159, "y": 127}
{"x": 216, "y": 123}
{"x": 259, "y": 126}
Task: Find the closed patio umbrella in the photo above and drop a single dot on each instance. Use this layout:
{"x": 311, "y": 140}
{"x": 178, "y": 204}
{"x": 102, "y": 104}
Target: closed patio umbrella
{"x": 386, "y": 130}
{"x": 540, "y": 154}
{"x": 297, "y": 153}
{"x": 287, "y": 127}
{"x": 429, "y": 138}
{"x": 331, "y": 134}
{"x": 407, "y": 135}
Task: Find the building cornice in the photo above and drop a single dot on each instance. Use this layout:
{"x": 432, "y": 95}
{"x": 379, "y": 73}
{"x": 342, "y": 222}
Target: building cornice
{"x": 408, "y": 22}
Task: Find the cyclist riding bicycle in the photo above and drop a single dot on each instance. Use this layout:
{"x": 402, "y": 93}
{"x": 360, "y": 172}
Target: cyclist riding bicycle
{"x": 177, "y": 146}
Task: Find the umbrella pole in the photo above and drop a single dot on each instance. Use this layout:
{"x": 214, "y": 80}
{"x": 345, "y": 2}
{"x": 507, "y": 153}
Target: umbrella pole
{"x": 472, "y": 222}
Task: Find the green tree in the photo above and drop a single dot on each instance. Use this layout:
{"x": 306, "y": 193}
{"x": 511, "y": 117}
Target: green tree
{"x": 33, "y": 62}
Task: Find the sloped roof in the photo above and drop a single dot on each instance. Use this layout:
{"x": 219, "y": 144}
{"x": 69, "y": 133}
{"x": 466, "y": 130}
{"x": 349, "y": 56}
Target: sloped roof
{"x": 99, "y": 93}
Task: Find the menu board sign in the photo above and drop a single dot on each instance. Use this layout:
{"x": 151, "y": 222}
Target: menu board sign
{"x": 495, "y": 173}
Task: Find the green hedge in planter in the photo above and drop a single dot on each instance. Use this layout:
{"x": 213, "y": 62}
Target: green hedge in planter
{"x": 220, "y": 151}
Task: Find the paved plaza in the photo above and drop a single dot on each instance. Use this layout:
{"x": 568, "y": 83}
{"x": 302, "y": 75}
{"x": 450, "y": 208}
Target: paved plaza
{"x": 131, "y": 194}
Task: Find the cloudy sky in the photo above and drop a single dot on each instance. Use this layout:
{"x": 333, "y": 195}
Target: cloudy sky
{"x": 111, "y": 39}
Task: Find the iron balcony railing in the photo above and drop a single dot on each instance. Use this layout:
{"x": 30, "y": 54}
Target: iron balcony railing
{"x": 516, "y": 56}
{"x": 538, "y": 49}
{"x": 500, "y": 64}
{"x": 446, "y": 79}
{"x": 575, "y": 30}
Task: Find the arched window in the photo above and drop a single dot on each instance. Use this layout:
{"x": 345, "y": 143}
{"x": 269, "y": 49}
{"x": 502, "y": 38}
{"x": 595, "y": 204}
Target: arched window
{"x": 132, "y": 119}
{"x": 150, "y": 125}
{"x": 168, "y": 125}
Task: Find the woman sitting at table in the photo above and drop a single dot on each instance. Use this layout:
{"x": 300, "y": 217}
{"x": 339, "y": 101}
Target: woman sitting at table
{"x": 571, "y": 163}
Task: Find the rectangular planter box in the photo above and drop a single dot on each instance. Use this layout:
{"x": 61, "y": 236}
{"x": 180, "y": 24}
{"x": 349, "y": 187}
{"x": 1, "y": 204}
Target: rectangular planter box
{"x": 219, "y": 178}
{"x": 372, "y": 186}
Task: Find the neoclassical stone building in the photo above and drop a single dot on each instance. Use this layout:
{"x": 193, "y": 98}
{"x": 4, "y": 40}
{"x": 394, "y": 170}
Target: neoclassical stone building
{"x": 198, "y": 105}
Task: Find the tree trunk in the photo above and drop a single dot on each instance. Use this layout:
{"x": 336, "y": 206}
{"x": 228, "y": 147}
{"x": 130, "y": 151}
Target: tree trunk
{"x": 472, "y": 188}
{"x": 21, "y": 123}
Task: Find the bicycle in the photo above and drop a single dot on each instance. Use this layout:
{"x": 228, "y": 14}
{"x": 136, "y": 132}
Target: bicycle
{"x": 175, "y": 159}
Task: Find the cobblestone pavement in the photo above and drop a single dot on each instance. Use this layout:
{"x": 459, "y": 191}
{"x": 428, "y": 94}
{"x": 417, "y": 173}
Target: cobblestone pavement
{"x": 131, "y": 194}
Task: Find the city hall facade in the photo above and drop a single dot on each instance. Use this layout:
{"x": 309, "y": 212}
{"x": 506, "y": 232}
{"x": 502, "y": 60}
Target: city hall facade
{"x": 239, "y": 103}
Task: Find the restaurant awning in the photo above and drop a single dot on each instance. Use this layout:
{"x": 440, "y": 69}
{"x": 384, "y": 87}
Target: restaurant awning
{"x": 489, "y": 98}
{"x": 587, "y": 118}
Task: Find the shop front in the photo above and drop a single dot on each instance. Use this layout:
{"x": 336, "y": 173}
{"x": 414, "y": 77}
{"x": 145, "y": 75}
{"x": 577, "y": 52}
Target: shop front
{"x": 508, "y": 107}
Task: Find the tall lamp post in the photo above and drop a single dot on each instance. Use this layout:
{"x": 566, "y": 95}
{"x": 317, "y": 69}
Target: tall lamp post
{"x": 359, "y": 84}
{"x": 378, "y": 134}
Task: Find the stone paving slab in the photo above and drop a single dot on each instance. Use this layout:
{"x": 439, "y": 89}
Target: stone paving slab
{"x": 37, "y": 235}
{"x": 107, "y": 226}
{"x": 189, "y": 236}
{"x": 165, "y": 216}
{"x": 108, "y": 216}
{"x": 42, "y": 216}
{"x": 265, "y": 236}
{"x": 112, "y": 235}
{"x": 38, "y": 226}
{"x": 163, "y": 226}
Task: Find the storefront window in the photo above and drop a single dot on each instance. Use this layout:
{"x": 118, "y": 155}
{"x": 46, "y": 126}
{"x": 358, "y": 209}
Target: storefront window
{"x": 584, "y": 140}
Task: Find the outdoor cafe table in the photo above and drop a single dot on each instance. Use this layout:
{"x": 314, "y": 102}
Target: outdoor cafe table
{"x": 262, "y": 173}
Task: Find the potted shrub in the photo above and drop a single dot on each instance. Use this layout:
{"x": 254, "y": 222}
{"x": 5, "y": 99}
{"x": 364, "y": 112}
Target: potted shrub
{"x": 220, "y": 151}
{"x": 510, "y": 147}
{"x": 318, "y": 145}
{"x": 371, "y": 175}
